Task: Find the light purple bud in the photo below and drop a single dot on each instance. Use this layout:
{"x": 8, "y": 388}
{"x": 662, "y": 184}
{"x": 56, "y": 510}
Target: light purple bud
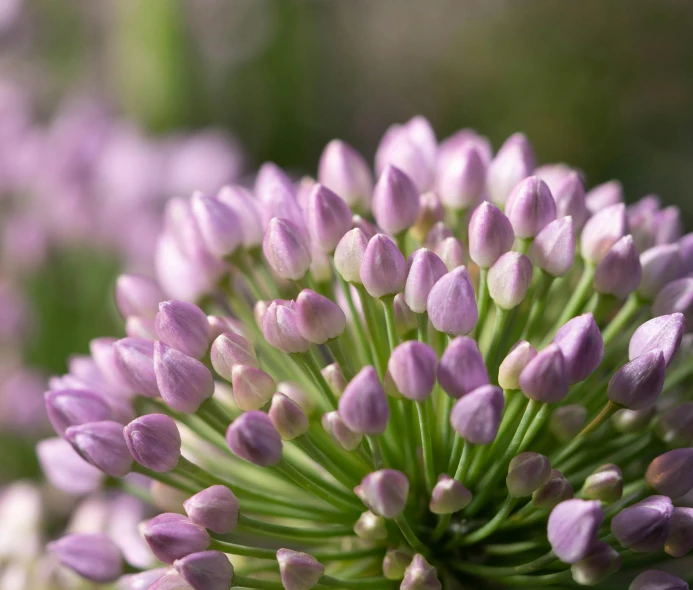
{"x": 676, "y": 297}
{"x": 462, "y": 181}
{"x": 604, "y": 195}
{"x": 602, "y": 561}
{"x": 552, "y": 492}
{"x": 288, "y": 418}
{"x": 553, "y": 250}
{"x": 545, "y": 378}
{"x": 420, "y": 575}
{"x": 385, "y": 492}
{"x": 460, "y": 141}
{"x": 72, "y": 407}
{"x": 569, "y": 195}
{"x": 280, "y": 328}
{"x": 451, "y": 252}
{"x": 657, "y": 580}
{"x": 207, "y": 570}
{"x": 171, "y": 580}
{"x": 242, "y": 202}
{"x": 219, "y": 325}
{"x": 664, "y": 332}
{"x": 395, "y": 563}
{"x": 430, "y": 212}
{"x": 215, "y": 508}
{"x": 139, "y": 327}
{"x": 395, "y": 201}
{"x": 567, "y": 421}
{"x": 680, "y": 539}
{"x": 252, "y": 387}
{"x": 638, "y": 384}
{"x": 220, "y": 227}
{"x": 448, "y": 496}
{"x": 173, "y": 536}
{"x": 514, "y": 161}
{"x": 298, "y": 571}
{"x": 686, "y": 251}
{"x": 286, "y": 250}
{"x": 252, "y": 437}
{"x": 604, "y": 484}
{"x": 602, "y": 231}
{"x": 134, "y": 358}
{"x": 328, "y": 218}
{"x": 277, "y": 195}
{"x": 530, "y": 207}
{"x": 512, "y": 366}
{"x": 405, "y": 318}
{"x": 136, "y": 295}
{"x": 349, "y": 255}
{"x": 462, "y": 368}
{"x": 383, "y": 268}
{"x": 319, "y": 319}
{"x": 644, "y": 527}
{"x": 229, "y": 350}
{"x": 509, "y": 279}
{"x": 102, "y": 444}
{"x": 145, "y": 580}
{"x": 412, "y": 366}
{"x": 154, "y": 442}
{"x": 183, "y": 326}
{"x": 526, "y": 472}
{"x": 93, "y": 556}
{"x": 424, "y": 271}
{"x": 184, "y": 382}
{"x": 451, "y": 303}
{"x": 671, "y": 474}
{"x": 572, "y": 528}
{"x": 334, "y": 376}
{"x": 438, "y": 232}
{"x": 490, "y": 235}
{"x": 334, "y": 425}
{"x": 65, "y": 469}
{"x": 660, "y": 265}
{"x": 668, "y": 225}
{"x": 363, "y": 405}
{"x": 582, "y": 346}
{"x": 103, "y": 353}
{"x": 346, "y": 172}
{"x": 619, "y": 273}
{"x": 477, "y": 416}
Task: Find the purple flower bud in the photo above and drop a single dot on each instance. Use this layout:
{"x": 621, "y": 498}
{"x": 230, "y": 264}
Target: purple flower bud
{"x": 526, "y": 472}
{"x": 671, "y": 474}
{"x": 604, "y": 195}
{"x": 298, "y": 571}
{"x": 319, "y": 319}
{"x": 633, "y": 420}
{"x": 363, "y": 405}
{"x": 334, "y": 376}
{"x": 514, "y": 161}
{"x": 675, "y": 426}
{"x": 552, "y": 492}
{"x": 383, "y": 268}
{"x": 395, "y": 563}
{"x": 660, "y": 265}
{"x": 405, "y": 318}
{"x": 286, "y": 249}
{"x": 173, "y": 536}
{"x": 639, "y": 383}
{"x": 280, "y": 328}
{"x": 277, "y": 195}
{"x": 412, "y": 366}
{"x": 102, "y": 444}
{"x": 229, "y": 350}
{"x": 171, "y": 580}
{"x": 395, "y": 201}
{"x": 567, "y": 421}
{"x": 602, "y": 231}
{"x": 65, "y": 469}
{"x": 686, "y": 251}
{"x": 509, "y": 279}
{"x": 184, "y": 382}
{"x": 604, "y": 484}
{"x": 136, "y": 295}
{"x": 72, "y": 407}
{"x": 207, "y": 570}
{"x": 619, "y": 273}
{"x": 288, "y": 418}
{"x": 460, "y": 141}
{"x": 134, "y": 358}
{"x": 334, "y": 425}
{"x": 663, "y": 332}
{"x": 530, "y": 207}
{"x": 676, "y": 297}
{"x": 573, "y": 527}
{"x": 146, "y": 580}
{"x": 346, "y": 172}
{"x": 154, "y": 441}
{"x": 430, "y": 212}
{"x": 385, "y": 492}
{"x": 477, "y": 416}
{"x": 553, "y": 250}
{"x": 139, "y": 327}
{"x": 601, "y": 561}
{"x": 215, "y": 508}
{"x": 582, "y": 346}
{"x": 247, "y": 210}
{"x": 545, "y": 378}
{"x": 371, "y": 527}
{"x": 490, "y": 235}
{"x": 438, "y": 232}
{"x": 512, "y": 366}
{"x": 252, "y": 437}
{"x": 680, "y": 539}
{"x": 451, "y": 303}
{"x": 252, "y": 387}
{"x": 94, "y": 556}
{"x": 220, "y": 227}
{"x": 420, "y": 575}
{"x": 451, "y": 252}
{"x": 656, "y": 580}
{"x": 448, "y": 496}
{"x": 183, "y": 326}
{"x": 349, "y": 255}
{"x": 462, "y": 181}
{"x": 102, "y": 352}
{"x": 644, "y": 527}
{"x": 569, "y": 195}
{"x": 462, "y": 368}
{"x": 668, "y": 225}
{"x": 424, "y": 271}
{"x": 328, "y": 218}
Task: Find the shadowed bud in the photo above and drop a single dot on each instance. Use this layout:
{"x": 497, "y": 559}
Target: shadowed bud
{"x": 405, "y": 318}
{"x": 686, "y": 251}
{"x": 582, "y": 346}
{"x": 370, "y": 527}
{"x": 247, "y": 209}
{"x": 363, "y": 405}
{"x": 545, "y": 378}
{"x": 490, "y": 235}
{"x": 552, "y": 492}
{"x": 656, "y": 580}
{"x": 573, "y": 527}
{"x": 509, "y": 279}
{"x": 334, "y": 425}
{"x": 424, "y": 271}
{"x": 602, "y": 561}
{"x": 680, "y": 539}
{"x": 605, "y": 484}
{"x": 287, "y": 416}
{"x": 252, "y": 387}
{"x": 514, "y": 161}
{"x": 448, "y": 496}
{"x": 183, "y": 326}
{"x": 644, "y": 527}
{"x": 220, "y": 227}
{"x": 207, "y": 570}
{"x": 462, "y": 368}
{"x": 553, "y": 250}
{"x": 395, "y": 563}
{"x": 567, "y": 421}
{"x": 530, "y": 207}
{"x": 136, "y": 295}
{"x": 395, "y": 201}
{"x": 430, "y": 212}
{"x": 526, "y": 472}
{"x": 72, "y": 407}
{"x": 438, "y": 232}
{"x": 154, "y": 442}
{"x": 668, "y": 225}
{"x": 229, "y": 350}
{"x": 477, "y": 415}
{"x": 65, "y": 469}
{"x": 252, "y": 437}
{"x": 513, "y": 364}
{"x": 660, "y": 266}
{"x": 604, "y": 195}
{"x": 676, "y": 297}
{"x": 383, "y": 268}
{"x": 619, "y": 273}
{"x": 420, "y": 575}
{"x": 675, "y": 426}
{"x": 349, "y": 255}
{"x": 663, "y": 332}
{"x": 298, "y": 571}
{"x": 318, "y": 318}
{"x": 412, "y": 366}
{"x": 102, "y": 444}
{"x": 214, "y": 508}
{"x": 602, "y": 231}
{"x": 569, "y": 194}
{"x": 451, "y": 252}
{"x": 334, "y": 376}
{"x": 286, "y": 249}
{"x": 134, "y": 358}
{"x": 173, "y": 536}
{"x": 184, "y": 382}
{"x": 346, "y": 172}
{"x": 280, "y": 327}
{"x": 633, "y": 420}
{"x": 385, "y": 492}
{"x": 328, "y": 218}
{"x": 93, "y": 556}
{"x": 639, "y": 383}
{"x": 671, "y": 474}
{"x": 462, "y": 180}
{"x": 451, "y": 303}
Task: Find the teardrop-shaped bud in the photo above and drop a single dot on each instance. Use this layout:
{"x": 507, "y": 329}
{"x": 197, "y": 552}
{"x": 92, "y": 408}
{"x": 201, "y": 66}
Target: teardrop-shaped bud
{"x": 184, "y": 382}
{"x": 334, "y": 376}
{"x": 247, "y": 209}
{"x": 582, "y": 346}
{"x": 638, "y": 384}
{"x": 451, "y": 252}
{"x": 660, "y": 265}
{"x": 530, "y": 207}
{"x": 183, "y": 326}
{"x": 328, "y": 218}
{"x": 93, "y": 556}
{"x": 509, "y": 279}
{"x": 438, "y": 232}
{"x": 154, "y": 442}
{"x": 545, "y": 378}
{"x": 569, "y": 194}
{"x": 514, "y": 363}
{"x": 420, "y": 575}
{"x": 346, "y": 172}
{"x": 644, "y": 527}
{"x": 657, "y": 580}
{"x": 477, "y": 416}
{"x": 448, "y": 496}
{"x": 462, "y": 368}
{"x": 206, "y": 570}
{"x": 676, "y": 297}
{"x": 383, "y": 268}
{"x": 318, "y": 318}
{"x": 298, "y": 571}
{"x": 572, "y": 528}
{"x": 671, "y": 474}
{"x": 663, "y": 332}
{"x": 134, "y": 358}
{"x": 102, "y": 444}
{"x": 64, "y": 469}
{"x": 215, "y": 508}
{"x": 424, "y": 271}
{"x": 348, "y": 255}
{"x": 395, "y": 201}
{"x": 601, "y": 561}
{"x": 552, "y": 492}
{"x": 288, "y": 418}
{"x": 604, "y": 195}
{"x": 602, "y": 231}
{"x": 286, "y": 249}
{"x": 371, "y": 527}
{"x": 385, "y": 492}
{"x": 604, "y": 484}
{"x": 395, "y": 563}
{"x": 252, "y": 387}
{"x": 72, "y": 407}
{"x": 252, "y": 437}
{"x": 220, "y": 227}
{"x": 363, "y": 405}
{"x": 514, "y": 161}
{"x": 451, "y": 303}
{"x": 430, "y": 212}
{"x": 490, "y": 235}
{"x": 553, "y": 250}
{"x": 412, "y": 366}
{"x": 462, "y": 181}
{"x": 137, "y": 295}
{"x": 334, "y": 425}
{"x": 680, "y": 539}
{"x": 229, "y": 350}
{"x": 633, "y": 420}
{"x": 526, "y": 472}
{"x": 173, "y": 536}
{"x": 280, "y": 327}
{"x": 619, "y": 273}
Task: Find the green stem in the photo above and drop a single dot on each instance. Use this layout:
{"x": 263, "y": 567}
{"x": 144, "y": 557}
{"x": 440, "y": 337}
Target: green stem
{"x": 376, "y": 451}
{"x": 622, "y": 318}
{"x": 389, "y": 307}
{"x": 422, "y": 409}
{"x": 309, "y": 364}
{"x": 245, "y": 582}
{"x": 492, "y": 525}
{"x": 362, "y": 583}
{"x": 502, "y": 572}
{"x": 422, "y": 326}
{"x": 380, "y": 354}
{"x": 482, "y": 302}
{"x": 323, "y": 532}
{"x": 538, "y": 304}
{"x": 534, "y": 428}
{"x": 410, "y": 535}
{"x": 367, "y": 346}
{"x": 338, "y": 353}
{"x": 463, "y": 465}
{"x": 577, "y": 300}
